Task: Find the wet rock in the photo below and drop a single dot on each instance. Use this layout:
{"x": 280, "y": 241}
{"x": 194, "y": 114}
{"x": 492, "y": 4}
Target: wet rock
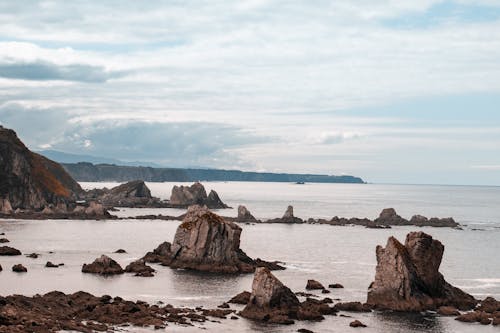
{"x": 140, "y": 268}
{"x": 314, "y": 285}
{"x": 33, "y": 255}
{"x": 19, "y": 268}
{"x": 185, "y": 196}
{"x": 244, "y": 215}
{"x": 448, "y": 311}
{"x": 204, "y": 241}
{"x": 241, "y": 298}
{"x": 270, "y": 300}
{"x": 335, "y": 286}
{"x": 4, "y": 240}
{"x": 352, "y": 307}
{"x": 356, "y": 323}
{"x": 120, "y": 251}
{"x": 388, "y": 216}
{"x": 423, "y": 221}
{"x": 103, "y": 265}
{"x": 49, "y": 264}
{"x": 489, "y": 304}
{"x": 288, "y": 217}
{"x": 9, "y": 251}
{"x": 408, "y": 279}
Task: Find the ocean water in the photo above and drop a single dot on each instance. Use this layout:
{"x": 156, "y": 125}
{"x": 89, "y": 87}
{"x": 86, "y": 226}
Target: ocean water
{"x": 328, "y": 254}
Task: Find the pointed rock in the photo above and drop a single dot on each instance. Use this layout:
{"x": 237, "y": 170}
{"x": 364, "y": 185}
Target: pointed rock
{"x": 103, "y": 265}
{"x": 407, "y": 277}
{"x": 244, "y": 215}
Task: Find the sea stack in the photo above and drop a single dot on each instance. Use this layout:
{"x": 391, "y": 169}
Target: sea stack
{"x": 204, "y": 241}
{"x": 244, "y": 215}
{"x": 407, "y": 277}
{"x": 288, "y": 217}
{"x": 185, "y": 196}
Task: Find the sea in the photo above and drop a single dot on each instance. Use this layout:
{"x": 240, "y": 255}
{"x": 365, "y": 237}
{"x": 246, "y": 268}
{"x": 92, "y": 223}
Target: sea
{"x": 329, "y": 254}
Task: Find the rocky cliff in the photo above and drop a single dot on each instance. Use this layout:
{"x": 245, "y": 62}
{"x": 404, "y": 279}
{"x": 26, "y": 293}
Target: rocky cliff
{"x": 185, "y": 196}
{"x": 29, "y": 180}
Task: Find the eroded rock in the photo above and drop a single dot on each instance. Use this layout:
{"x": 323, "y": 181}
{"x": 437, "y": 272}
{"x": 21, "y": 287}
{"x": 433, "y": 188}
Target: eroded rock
{"x": 139, "y": 268}
{"x": 103, "y": 265}
{"x": 185, "y": 196}
{"x": 244, "y": 215}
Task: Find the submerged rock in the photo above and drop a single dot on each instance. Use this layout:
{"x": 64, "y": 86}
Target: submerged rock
{"x": 19, "y": 268}
{"x": 185, "y": 196}
{"x": 206, "y": 242}
{"x": 244, "y": 215}
{"x": 407, "y": 277}
{"x": 270, "y": 300}
{"x": 9, "y": 251}
{"x": 103, "y": 265}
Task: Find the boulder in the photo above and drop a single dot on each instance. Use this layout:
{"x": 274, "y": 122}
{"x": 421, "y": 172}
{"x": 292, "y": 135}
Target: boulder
{"x": 204, "y": 241}
{"x": 241, "y": 298}
{"x": 335, "y": 286}
{"x": 448, "y": 311}
{"x": 288, "y": 217}
{"x": 352, "y": 307}
{"x": 19, "y": 268}
{"x": 314, "y": 285}
{"x": 1, "y": 268}
{"x": 244, "y": 215}
{"x": 185, "y": 196}
{"x": 49, "y": 264}
{"x": 356, "y": 323}
{"x": 103, "y": 265}
{"x": 9, "y": 251}
{"x": 270, "y": 300}
{"x": 388, "y": 216}
{"x": 139, "y": 268}
{"x": 4, "y": 240}
{"x": 407, "y": 277}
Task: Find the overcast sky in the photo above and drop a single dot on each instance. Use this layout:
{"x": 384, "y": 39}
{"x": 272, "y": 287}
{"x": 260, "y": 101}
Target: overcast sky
{"x": 391, "y": 91}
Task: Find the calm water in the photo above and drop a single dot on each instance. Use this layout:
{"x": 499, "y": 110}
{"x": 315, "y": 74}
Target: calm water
{"x": 329, "y": 254}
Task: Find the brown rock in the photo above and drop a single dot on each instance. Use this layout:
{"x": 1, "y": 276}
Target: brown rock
{"x": 352, "y": 307}
{"x": 388, "y": 216}
{"x": 9, "y": 251}
{"x": 103, "y": 265}
{"x": 357, "y": 323}
{"x": 19, "y": 268}
{"x": 120, "y": 251}
{"x": 33, "y": 255}
{"x": 270, "y": 300}
{"x": 335, "y": 286}
{"x": 489, "y": 304}
{"x": 288, "y": 217}
{"x": 241, "y": 298}
{"x": 314, "y": 285}
{"x": 139, "y": 268}
{"x": 185, "y": 196}
{"x": 448, "y": 311}
{"x": 244, "y": 215}
{"x": 408, "y": 279}
{"x": 4, "y": 240}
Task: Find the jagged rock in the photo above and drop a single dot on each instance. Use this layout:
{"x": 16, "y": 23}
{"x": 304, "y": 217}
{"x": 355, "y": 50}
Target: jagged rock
{"x": 4, "y": 240}
{"x": 388, "y": 216}
{"x": 335, "y": 286}
{"x": 356, "y": 323}
{"x": 241, "y": 298}
{"x": 185, "y": 196}
{"x": 103, "y": 265}
{"x": 408, "y": 279}
{"x": 244, "y": 215}
{"x": 204, "y": 241}
{"x": 314, "y": 285}
{"x": 19, "y": 268}
{"x": 139, "y": 268}
{"x": 29, "y": 180}
{"x": 270, "y": 300}
{"x": 288, "y": 217}
{"x": 423, "y": 221}
{"x": 9, "y": 251}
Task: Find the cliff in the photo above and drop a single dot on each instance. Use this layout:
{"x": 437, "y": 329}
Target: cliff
{"x": 29, "y": 180}
{"x": 88, "y": 172}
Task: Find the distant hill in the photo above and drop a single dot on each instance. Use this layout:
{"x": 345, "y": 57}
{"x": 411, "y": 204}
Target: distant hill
{"x": 84, "y": 171}
{"x": 63, "y": 157}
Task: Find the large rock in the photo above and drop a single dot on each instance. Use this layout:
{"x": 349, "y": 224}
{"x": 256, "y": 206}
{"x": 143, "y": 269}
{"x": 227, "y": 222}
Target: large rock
{"x": 288, "y": 217}
{"x": 270, "y": 300}
{"x": 9, "y": 251}
{"x": 205, "y": 241}
{"x": 185, "y": 196}
{"x": 407, "y": 277}
{"x": 103, "y": 265}
{"x": 29, "y": 180}
{"x": 388, "y": 216}
{"x": 244, "y": 215}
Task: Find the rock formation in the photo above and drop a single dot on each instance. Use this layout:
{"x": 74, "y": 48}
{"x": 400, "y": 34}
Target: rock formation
{"x": 139, "y": 268}
{"x": 288, "y": 217}
{"x": 185, "y": 196}
{"x": 314, "y": 285}
{"x": 270, "y": 300}
{"x": 244, "y": 215}
{"x": 407, "y": 277}
{"x": 29, "y": 180}
{"x": 9, "y": 251}
{"x": 103, "y": 265}
{"x": 19, "y": 268}
{"x": 205, "y": 241}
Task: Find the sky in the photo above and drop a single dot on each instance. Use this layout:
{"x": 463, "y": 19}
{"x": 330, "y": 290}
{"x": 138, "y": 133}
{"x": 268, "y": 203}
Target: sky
{"x": 391, "y": 91}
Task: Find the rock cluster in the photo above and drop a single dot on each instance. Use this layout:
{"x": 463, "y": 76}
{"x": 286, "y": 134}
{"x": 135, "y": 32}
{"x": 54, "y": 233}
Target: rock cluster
{"x": 103, "y": 265}
{"x": 185, "y": 196}
{"x": 407, "y": 277}
{"x": 288, "y": 217}
{"x": 83, "y": 312}
{"x": 488, "y": 312}
{"x": 204, "y": 241}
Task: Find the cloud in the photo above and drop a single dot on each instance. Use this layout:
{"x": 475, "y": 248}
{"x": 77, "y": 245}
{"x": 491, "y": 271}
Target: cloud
{"x": 43, "y": 71}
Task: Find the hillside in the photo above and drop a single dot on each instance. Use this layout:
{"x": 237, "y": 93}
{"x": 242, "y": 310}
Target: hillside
{"x": 109, "y": 172}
